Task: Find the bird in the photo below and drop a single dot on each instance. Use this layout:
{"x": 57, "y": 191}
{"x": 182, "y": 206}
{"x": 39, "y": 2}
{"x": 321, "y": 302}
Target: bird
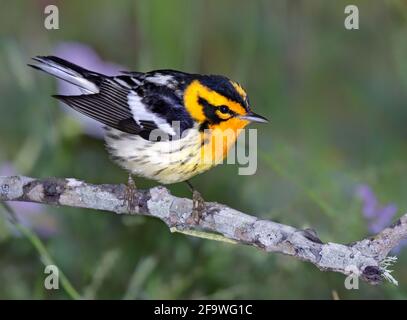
{"x": 164, "y": 125}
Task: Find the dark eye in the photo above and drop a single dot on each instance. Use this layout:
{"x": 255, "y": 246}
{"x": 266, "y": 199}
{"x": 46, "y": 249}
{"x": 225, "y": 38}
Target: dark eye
{"x": 224, "y": 109}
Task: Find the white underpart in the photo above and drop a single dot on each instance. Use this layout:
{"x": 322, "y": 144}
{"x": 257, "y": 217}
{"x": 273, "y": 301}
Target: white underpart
{"x": 140, "y": 112}
{"x": 164, "y": 161}
{"x": 160, "y": 79}
{"x": 70, "y": 76}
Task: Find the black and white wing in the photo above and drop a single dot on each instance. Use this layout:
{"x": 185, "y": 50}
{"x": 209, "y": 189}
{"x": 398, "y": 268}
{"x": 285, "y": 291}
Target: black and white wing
{"x": 135, "y": 103}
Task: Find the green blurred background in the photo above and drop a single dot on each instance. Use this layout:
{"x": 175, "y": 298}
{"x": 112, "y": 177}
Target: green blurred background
{"x": 337, "y": 101}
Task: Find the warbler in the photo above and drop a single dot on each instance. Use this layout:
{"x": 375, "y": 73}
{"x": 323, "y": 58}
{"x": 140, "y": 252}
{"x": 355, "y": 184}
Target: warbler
{"x": 163, "y": 125}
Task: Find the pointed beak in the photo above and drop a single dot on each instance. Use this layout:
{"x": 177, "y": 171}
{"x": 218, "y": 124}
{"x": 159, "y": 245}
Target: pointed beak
{"x": 253, "y": 117}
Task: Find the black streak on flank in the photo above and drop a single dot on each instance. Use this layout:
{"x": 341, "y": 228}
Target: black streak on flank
{"x": 159, "y": 171}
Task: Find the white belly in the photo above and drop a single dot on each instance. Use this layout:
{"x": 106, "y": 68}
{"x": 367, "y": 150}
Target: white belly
{"x": 164, "y": 161}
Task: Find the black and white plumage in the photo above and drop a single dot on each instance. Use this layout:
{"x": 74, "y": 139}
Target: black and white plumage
{"x": 153, "y": 128}
{"x": 134, "y": 102}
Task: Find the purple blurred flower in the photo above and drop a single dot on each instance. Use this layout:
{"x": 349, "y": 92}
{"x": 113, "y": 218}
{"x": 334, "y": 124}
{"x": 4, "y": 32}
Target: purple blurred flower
{"x": 86, "y": 57}
{"x": 402, "y": 244}
{"x": 377, "y": 216}
{"x": 369, "y": 200}
{"x": 29, "y": 214}
{"x": 383, "y": 219}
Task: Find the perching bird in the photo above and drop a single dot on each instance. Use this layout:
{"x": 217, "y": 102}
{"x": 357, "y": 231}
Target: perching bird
{"x": 161, "y": 125}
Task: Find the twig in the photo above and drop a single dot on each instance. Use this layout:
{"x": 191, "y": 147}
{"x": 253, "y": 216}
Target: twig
{"x": 365, "y": 258}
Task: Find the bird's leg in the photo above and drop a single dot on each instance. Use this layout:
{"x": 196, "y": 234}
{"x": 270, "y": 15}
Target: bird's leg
{"x": 131, "y": 194}
{"x": 198, "y": 203}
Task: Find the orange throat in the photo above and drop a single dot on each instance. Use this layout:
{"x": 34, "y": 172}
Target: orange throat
{"x": 219, "y": 138}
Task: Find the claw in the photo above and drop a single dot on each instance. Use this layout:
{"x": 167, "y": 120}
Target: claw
{"x": 130, "y": 196}
{"x": 198, "y": 206}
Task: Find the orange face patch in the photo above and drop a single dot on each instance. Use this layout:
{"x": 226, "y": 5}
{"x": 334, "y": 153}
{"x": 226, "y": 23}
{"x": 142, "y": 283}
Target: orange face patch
{"x": 220, "y": 138}
{"x": 196, "y": 90}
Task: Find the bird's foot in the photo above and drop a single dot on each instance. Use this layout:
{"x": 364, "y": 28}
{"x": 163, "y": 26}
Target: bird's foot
{"x": 130, "y": 196}
{"x": 198, "y": 206}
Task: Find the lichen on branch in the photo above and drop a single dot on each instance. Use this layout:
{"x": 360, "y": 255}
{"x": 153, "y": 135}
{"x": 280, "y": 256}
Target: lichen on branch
{"x": 366, "y": 258}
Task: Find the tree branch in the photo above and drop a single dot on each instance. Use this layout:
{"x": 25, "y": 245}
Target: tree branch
{"x": 365, "y": 258}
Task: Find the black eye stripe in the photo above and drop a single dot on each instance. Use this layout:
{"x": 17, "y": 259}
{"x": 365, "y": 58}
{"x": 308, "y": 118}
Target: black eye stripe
{"x": 223, "y": 108}
{"x": 204, "y": 102}
{"x": 210, "y": 111}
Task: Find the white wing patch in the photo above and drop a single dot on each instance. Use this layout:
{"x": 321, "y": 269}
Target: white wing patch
{"x": 122, "y": 83}
{"x": 135, "y": 80}
{"x": 160, "y": 79}
{"x": 140, "y": 113}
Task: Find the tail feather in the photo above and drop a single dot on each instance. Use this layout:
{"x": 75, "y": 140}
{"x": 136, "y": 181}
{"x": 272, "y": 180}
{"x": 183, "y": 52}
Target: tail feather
{"x": 67, "y": 71}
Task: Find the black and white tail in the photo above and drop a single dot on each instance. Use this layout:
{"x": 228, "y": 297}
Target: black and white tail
{"x": 104, "y": 98}
{"x": 87, "y": 81}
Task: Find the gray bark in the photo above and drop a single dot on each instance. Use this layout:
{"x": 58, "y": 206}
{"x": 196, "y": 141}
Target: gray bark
{"x": 365, "y": 258}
